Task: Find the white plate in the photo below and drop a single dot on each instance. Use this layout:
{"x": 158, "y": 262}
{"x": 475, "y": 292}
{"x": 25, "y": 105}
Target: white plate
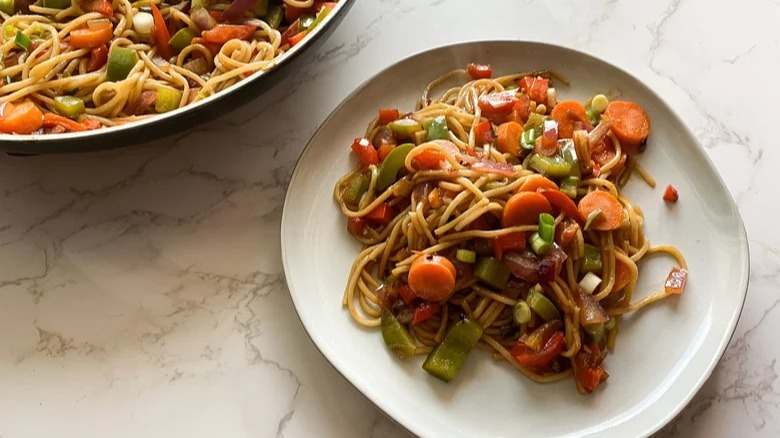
{"x": 664, "y": 353}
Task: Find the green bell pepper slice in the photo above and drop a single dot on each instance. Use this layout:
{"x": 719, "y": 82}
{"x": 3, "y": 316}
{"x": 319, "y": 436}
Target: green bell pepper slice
{"x": 592, "y": 260}
{"x": 355, "y": 188}
{"x": 388, "y": 169}
{"x": 182, "y": 38}
{"x": 405, "y": 127}
{"x": 447, "y": 358}
{"x": 56, "y": 4}
{"x": 69, "y": 106}
{"x": 8, "y": 6}
{"x": 274, "y": 16}
{"x": 492, "y": 272}
{"x": 542, "y": 305}
{"x": 436, "y": 128}
{"x": 167, "y": 99}
{"x": 120, "y": 62}
{"x": 396, "y": 337}
{"x": 561, "y": 165}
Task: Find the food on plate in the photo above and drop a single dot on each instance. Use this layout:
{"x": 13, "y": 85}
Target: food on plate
{"x": 75, "y": 65}
{"x": 492, "y": 216}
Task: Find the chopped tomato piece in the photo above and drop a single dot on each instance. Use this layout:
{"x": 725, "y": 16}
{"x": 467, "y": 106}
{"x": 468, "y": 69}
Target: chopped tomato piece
{"x": 670, "y": 194}
{"x": 388, "y": 115}
{"x": 675, "y": 282}
{"x": 520, "y": 111}
{"x": 483, "y": 133}
{"x": 497, "y": 103}
{"x": 365, "y": 151}
{"x": 480, "y": 71}
{"x": 97, "y": 58}
{"x": 424, "y": 311}
{"x": 536, "y": 88}
{"x": 382, "y": 214}
{"x": 539, "y": 361}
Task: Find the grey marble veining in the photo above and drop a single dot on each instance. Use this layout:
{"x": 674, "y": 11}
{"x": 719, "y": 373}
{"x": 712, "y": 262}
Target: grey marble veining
{"x": 142, "y": 292}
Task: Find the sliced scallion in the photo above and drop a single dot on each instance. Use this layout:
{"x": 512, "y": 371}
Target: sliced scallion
{"x": 547, "y": 227}
{"x": 521, "y": 312}
{"x": 569, "y": 186}
{"x": 466, "y": 256}
{"x": 542, "y": 305}
{"x": 527, "y": 139}
{"x": 590, "y": 282}
{"x": 22, "y": 41}
{"x": 539, "y": 245}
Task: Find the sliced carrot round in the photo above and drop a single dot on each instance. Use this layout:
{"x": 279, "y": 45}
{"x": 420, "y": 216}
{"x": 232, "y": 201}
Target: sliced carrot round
{"x": 432, "y": 277}
{"x": 508, "y": 140}
{"x": 564, "y": 203}
{"x": 611, "y": 211}
{"x": 630, "y": 123}
{"x": 524, "y": 208}
{"x": 536, "y": 182}
{"x": 567, "y": 114}
{"x": 622, "y": 276}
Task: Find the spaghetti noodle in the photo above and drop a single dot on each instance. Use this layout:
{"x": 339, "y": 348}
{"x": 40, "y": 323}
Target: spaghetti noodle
{"x": 492, "y": 216}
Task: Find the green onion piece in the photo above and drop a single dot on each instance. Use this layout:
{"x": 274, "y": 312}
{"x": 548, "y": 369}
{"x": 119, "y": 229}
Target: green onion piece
{"x": 609, "y": 325}
{"x": 547, "y": 227}
{"x": 590, "y": 282}
{"x": 8, "y": 6}
{"x": 491, "y": 185}
{"x": 182, "y": 38}
{"x": 324, "y": 12}
{"x": 405, "y": 127}
{"x": 274, "y": 16}
{"x": 436, "y": 128}
{"x": 389, "y": 167}
{"x": 168, "y": 99}
{"x": 511, "y": 87}
{"x": 593, "y": 118}
{"x": 22, "y": 40}
{"x": 69, "y": 106}
{"x": 535, "y": 122}
{"x": 9, "y": 31}
{"x": 306, "y": 20}
{"x": 120, "y": 62}
{"x": 492, "y": 272}
{"x": 527, "y": 139}
{"x": 599, "y": 103}
{"x": 569, "y": 186}
{"x": 521, "y": 312}
{"x": 466, "y": 256}
{"x": 592, "y": 260}
{"x": 560, "y": 165}
{"x": 8, "y": 79}
{"x": 595, "y": 214}
{"x": 196, "y": 4}
{"x": 355, "y": 188}
{"x": 258, "y": 10}
{"x": 447, "y": 358}
{"x": 539, "y": 245}
{"x": 595, "y": 333}
{"x": 56, "y": 4}
{"x": 396, "y": 337}
{"x": 542, "y": 305}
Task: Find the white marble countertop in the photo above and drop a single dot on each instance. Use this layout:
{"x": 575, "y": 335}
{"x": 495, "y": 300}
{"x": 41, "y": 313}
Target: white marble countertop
{"x": 142, "y": 293}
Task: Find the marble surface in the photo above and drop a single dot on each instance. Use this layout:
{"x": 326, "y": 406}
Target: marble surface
{"x": 142, "y": 293}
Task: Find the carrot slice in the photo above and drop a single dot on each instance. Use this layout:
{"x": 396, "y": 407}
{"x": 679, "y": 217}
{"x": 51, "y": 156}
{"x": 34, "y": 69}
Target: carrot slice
{"x": 432, "y": 277}
{"x": 630, "y": 123}
{"x": 611, "y": 211}
{"x": 622, "y": 276}
{"x": 508, "y": 140}
{"x": 567, "y": 114}
{"x": 564, "y": 203}
{"x": 524, "y": 208}
{"x": 22, "y": 118}
{"x": 536, "y": 182}
{"x": 51, "y": 120}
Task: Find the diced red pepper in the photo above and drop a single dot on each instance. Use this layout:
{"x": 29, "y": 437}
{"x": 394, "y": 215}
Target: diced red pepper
{"x": 161, "y": 34}
{"x": 388, "y": 115}
{"x": 535, "y": 88}
{"x": 424, "y": 311}
{"x": 670, "y": 194}
{"x": 365, "y": 151}
{"x": 497, "y": 103}
{"x": 298, "y": 37}
{"x": 539, "y": 361}
{"x": 97, "y": 58}
{"x": 381, "y": 215}
{"x": 222, "y": 33}
{"x": 356, "y": 226}
{"x": 587, "y": 367}
{"x": 483, "y": 133}
{"x": 675, "y": 281}
{"x": 563, "y": 203}
{"x": 407, "y": 294}
{"x": 480, "y": 71}
{"x": 508, "y": 242}
{"x": 520, "y": 111}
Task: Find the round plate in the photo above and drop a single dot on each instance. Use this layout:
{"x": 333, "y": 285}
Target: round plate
{"x": 663, "y": 353}
{"x": 176, "y": 121}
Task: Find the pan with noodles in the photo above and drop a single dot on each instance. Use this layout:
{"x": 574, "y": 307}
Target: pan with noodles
{"x": 493, "y": 216}
{"x": 80, "y": 65}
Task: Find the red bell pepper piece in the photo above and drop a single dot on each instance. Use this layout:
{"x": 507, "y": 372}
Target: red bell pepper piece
{"x": 535, "y": 88}
{"x": 520, "y": 111}
{"x": 564, "y": 203}
{"x": 497, "y": 104}
{"x": 356, "y": 226}
{"x": 407, "y": 294}
{"x": 97, "y": 58}
{"x": 587, "y": 367}
{"x": 382, "y": 214}
{"x": 670, "y": 194}
{"x": 388, "y": 115}
{"x": 539, "y": 361}
{"x": 508, "y": 242}
{"x": 480, "y": 71}
{"x": 365, "y": 151}
{"x": 424, "y": 311}
{"x": 483, "y": 133}
{"x": 161, "y": 34}
{"x": 222, "y": 33}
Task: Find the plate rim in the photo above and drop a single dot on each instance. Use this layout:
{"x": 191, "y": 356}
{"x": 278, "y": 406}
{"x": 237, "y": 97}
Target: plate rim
{"x": 740, "y": 232}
